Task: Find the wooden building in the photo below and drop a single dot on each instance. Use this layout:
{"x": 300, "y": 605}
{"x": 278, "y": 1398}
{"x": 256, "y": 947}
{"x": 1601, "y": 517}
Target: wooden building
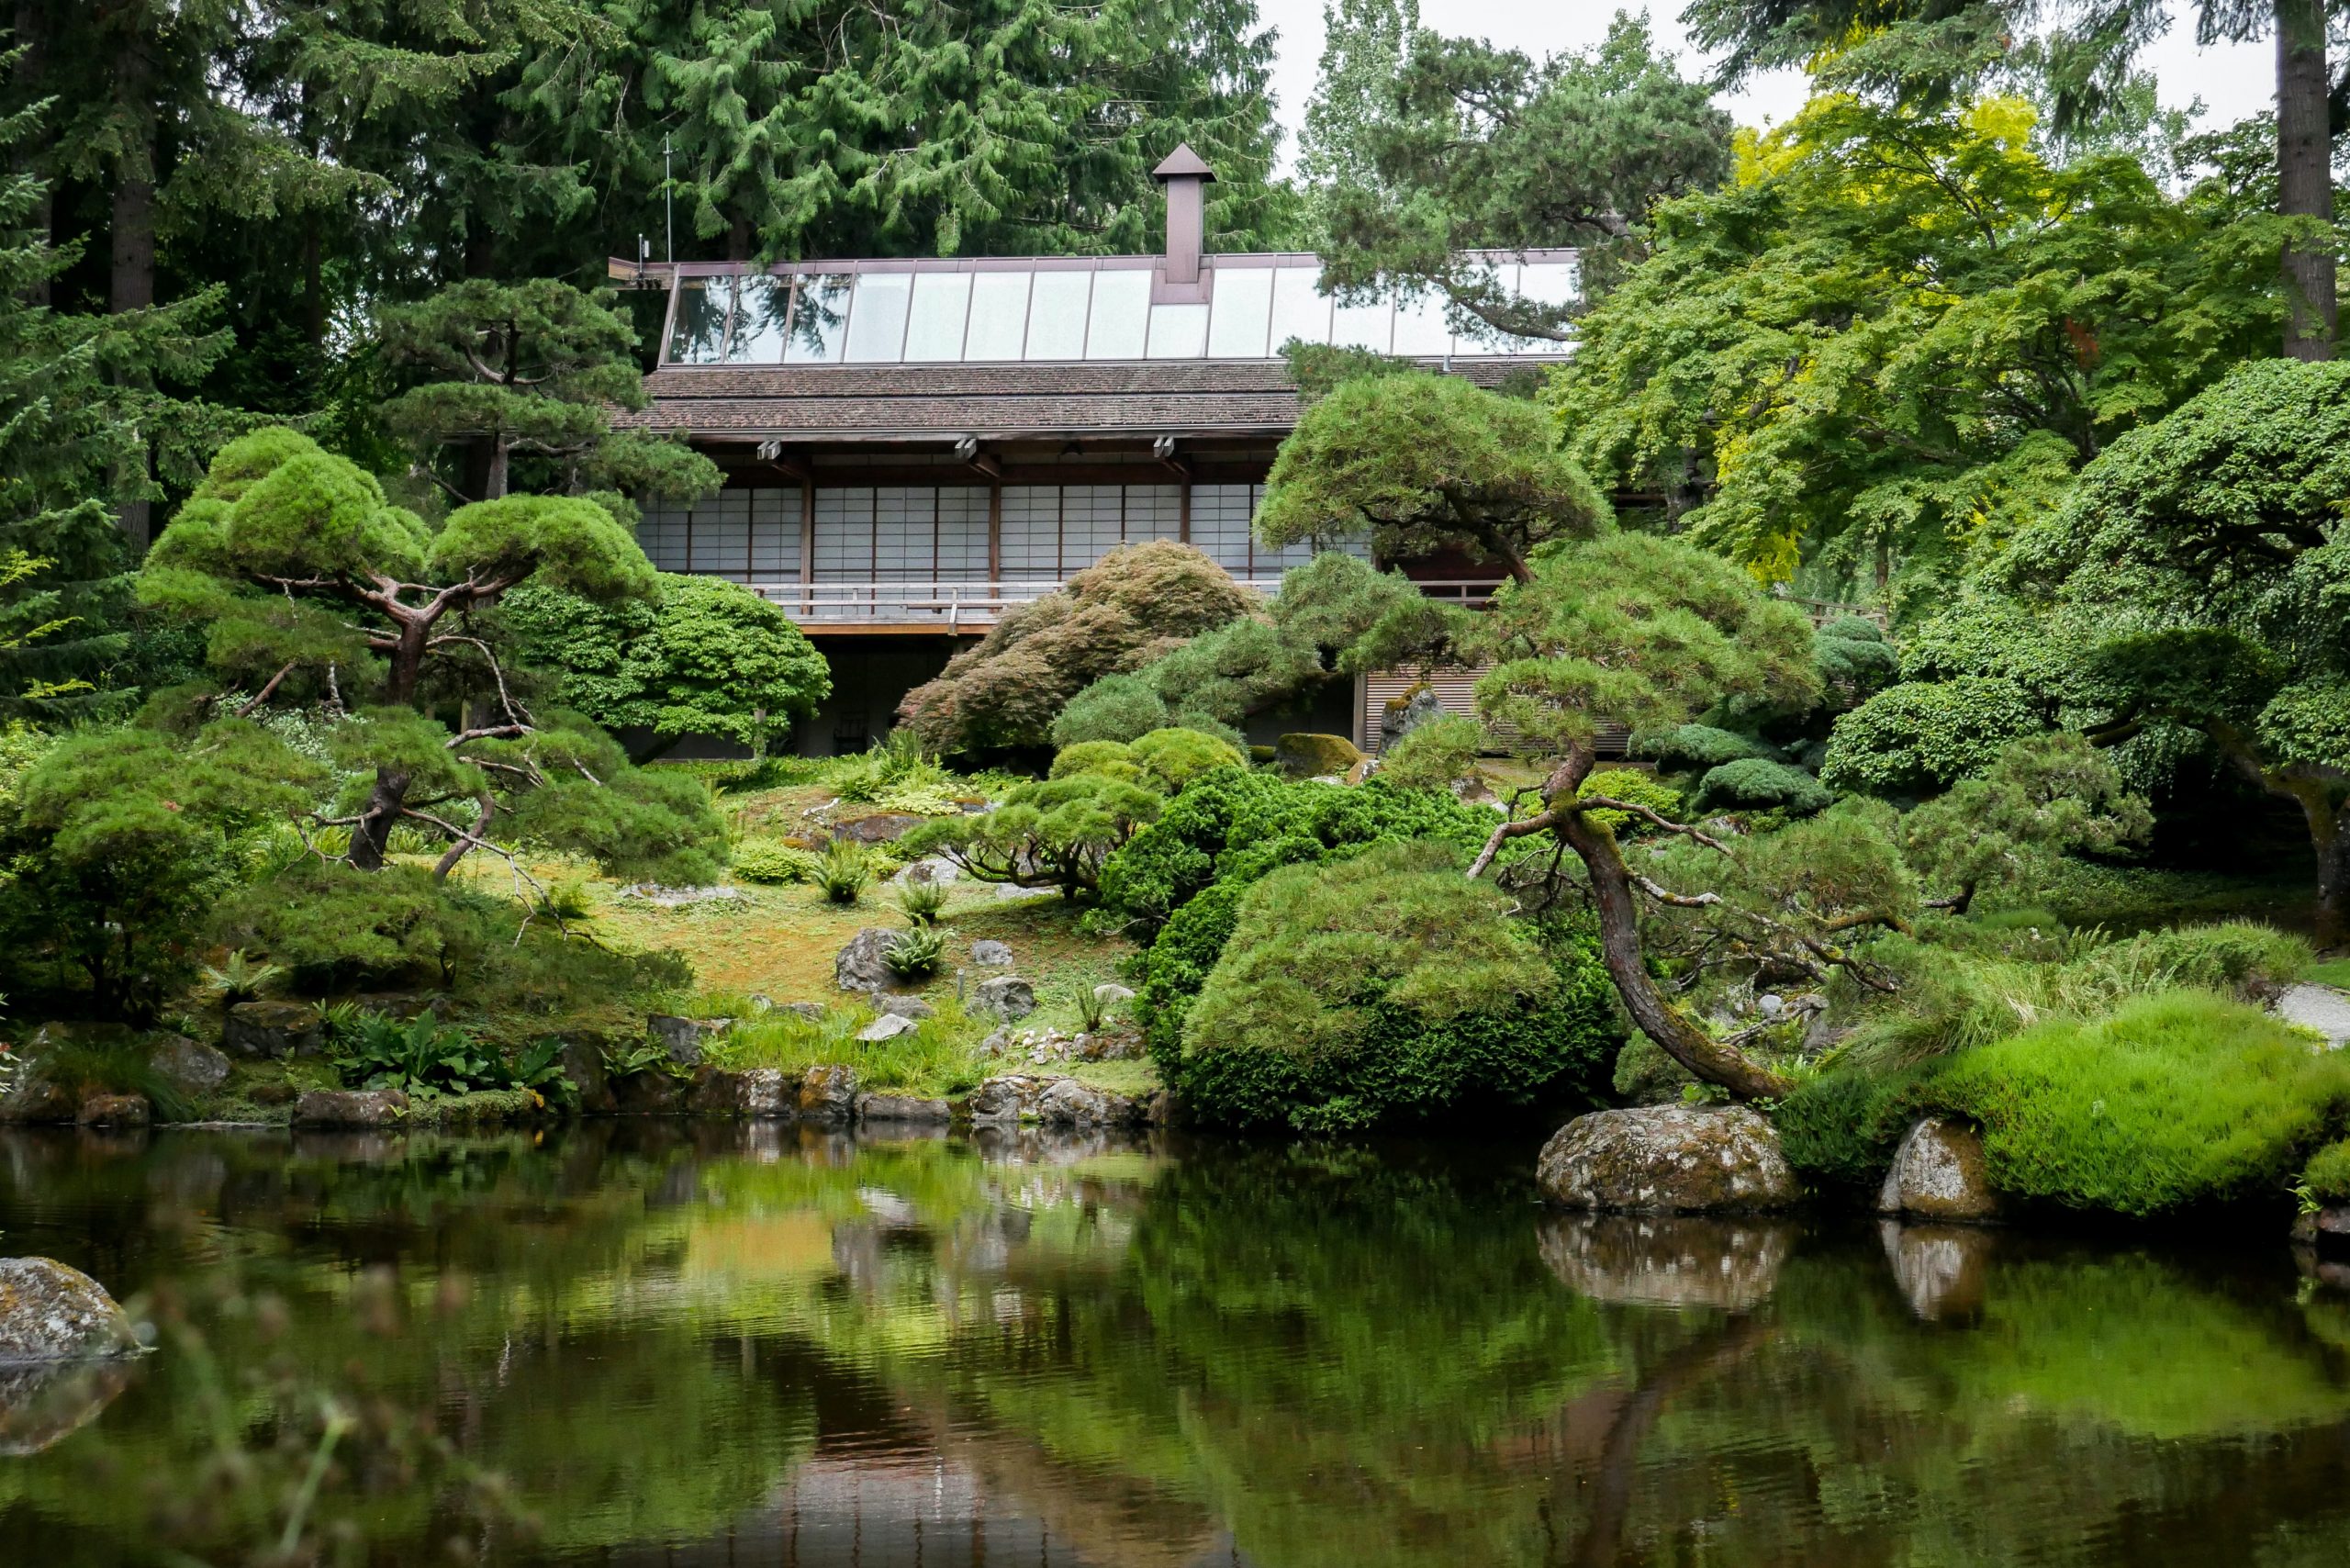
{"x": 912, "y": 446}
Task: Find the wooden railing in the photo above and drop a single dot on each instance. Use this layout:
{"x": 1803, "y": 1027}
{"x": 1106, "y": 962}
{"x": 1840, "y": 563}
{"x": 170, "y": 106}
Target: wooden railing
{"x": 977, "y": 606}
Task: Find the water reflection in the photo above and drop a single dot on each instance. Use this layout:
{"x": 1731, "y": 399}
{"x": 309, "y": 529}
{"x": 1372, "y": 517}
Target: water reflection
{"x": 707, "y": 1343}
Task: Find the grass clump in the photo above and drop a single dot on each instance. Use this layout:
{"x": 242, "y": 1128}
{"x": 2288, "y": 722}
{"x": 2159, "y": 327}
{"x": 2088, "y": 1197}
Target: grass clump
{"x": 2327, "y": 1176}
{"x": 843, "y": 871}
{"x": 763, "y": 860}
{"x": 922, "y": 902}
{"x": 111, "y": 1062}
{"x": 937, "y": 1059}
{"x": 2177, "y": 1098}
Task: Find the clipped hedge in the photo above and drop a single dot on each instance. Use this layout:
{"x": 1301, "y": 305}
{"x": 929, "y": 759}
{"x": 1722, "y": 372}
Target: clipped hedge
{"x": 1754, "y": 784}
{"x": 1382, "y": 988}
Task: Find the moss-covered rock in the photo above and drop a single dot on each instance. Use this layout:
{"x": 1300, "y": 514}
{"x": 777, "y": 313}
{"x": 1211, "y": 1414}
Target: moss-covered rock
{"x": 1315, "y": 756}
{"x": 1668, "y": 1160}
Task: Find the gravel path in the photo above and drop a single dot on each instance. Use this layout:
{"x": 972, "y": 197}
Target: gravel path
{"x": 2319, "y": 1007}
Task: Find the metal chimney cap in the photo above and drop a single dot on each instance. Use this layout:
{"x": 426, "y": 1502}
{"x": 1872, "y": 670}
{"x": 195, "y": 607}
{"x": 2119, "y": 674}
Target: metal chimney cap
{"x": 1183, "y": 163}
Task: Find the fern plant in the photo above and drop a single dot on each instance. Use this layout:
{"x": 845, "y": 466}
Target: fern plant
{"x": 843, "y": 871}
{"x": 237, "y": 979}
{"x": 923, "y": 901}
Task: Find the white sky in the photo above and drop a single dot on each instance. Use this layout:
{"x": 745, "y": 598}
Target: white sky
{"x": 2232, "y": 80}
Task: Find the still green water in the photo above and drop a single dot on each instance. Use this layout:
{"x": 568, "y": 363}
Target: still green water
{"x": 688, "y": 1344}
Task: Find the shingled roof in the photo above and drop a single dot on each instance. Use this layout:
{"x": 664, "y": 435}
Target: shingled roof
{"x": 994, "y": 402}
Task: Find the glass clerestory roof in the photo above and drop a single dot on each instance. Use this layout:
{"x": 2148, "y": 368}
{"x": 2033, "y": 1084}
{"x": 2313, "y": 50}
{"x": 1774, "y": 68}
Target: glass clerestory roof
{"x": 1099, "y": 312}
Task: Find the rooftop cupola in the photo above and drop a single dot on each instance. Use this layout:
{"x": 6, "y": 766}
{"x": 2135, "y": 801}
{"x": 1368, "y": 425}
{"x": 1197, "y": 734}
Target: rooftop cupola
{"x": 1184, "y": 173}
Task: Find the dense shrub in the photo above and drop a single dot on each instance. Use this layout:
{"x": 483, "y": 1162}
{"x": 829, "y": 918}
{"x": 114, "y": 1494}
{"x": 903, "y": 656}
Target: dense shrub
{"x": 1173, "y": 757}
{"x": 1106, "y": 759}
{"x": 764, "y": 860}
{"x": 1634, "y": 788}
{"x": 1854, "y": 659}
{"x": 1053, "y": 833}
{"x": 1914, "y": 739}
{"x": 1756, "y": 784}
{"x": 1435, "y": 754}
{"x": 2178, "y": 1099}
{"x": 1696, "y": 747}
{"x": 1178, "y": 883}
{"x": 1842, "y": 1127}
{"x": 1135, "y": 605}
{"x": 1386, "y": 986}
{"x": 1115, "y": 708}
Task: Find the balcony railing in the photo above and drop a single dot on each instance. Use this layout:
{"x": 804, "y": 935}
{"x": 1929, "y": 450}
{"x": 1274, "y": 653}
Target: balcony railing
{"x": 956, "y": 606}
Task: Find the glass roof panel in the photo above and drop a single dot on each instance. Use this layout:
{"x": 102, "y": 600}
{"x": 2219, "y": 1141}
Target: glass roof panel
{"x": 1178, "y": 331}
{"x": 999, "y": 316}
{"x": 820, "y": 319}
{"x": 1421, "y": 329}
{"x": 1241, "y": 309}
{"x": 700, "y": 329}
{"x": 1371, "y": 326}
{"x": 1119, "y": 322}
{"x": 876, "y": 324}
{"x": 935, "y": 326}
{"x": 1056, "y": 315}
{"x": 762, "y": 312}
{"x": 1300, "y": 308}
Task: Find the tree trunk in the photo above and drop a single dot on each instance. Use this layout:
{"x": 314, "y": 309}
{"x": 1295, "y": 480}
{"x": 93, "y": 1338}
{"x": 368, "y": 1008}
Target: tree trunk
{"x": 405, "y": 668}
{"x": 2305, "y": 175}
{"x": 131, "y": 233}
{"x": 371, "y": 836}
{"x": 1617, "y": 906}
{"x": 2331, "y": 845}
{"x": 494, "y": 482}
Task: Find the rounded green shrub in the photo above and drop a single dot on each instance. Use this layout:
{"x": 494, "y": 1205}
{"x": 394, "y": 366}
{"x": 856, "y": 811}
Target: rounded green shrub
{"x": 2177, "y": 1098}
{"x": 764, "y": 860}
{"x": 1386, "y": 986}
{"x": 1434, "y": 753}
{"x": 1693, "y": 748}
{"x": 1636, "y": 788}
{"x": 1755, "y": 784}
{"x": 1920, "y": 737}
{"x": 1109, "y": 759}
{"x": 1174, "y": 757}
{"x": 1115, "y": 708}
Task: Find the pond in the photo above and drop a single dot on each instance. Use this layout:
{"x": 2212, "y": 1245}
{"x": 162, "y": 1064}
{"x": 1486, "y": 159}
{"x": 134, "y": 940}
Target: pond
{"x": 690, "y": 1343}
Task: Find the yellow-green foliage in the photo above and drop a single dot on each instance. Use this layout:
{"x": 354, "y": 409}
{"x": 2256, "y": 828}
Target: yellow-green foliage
{"x": 764, "y": 860}
{"x": 1314, "y": 756}
{"x": 1174, "y": 757}
{"x": 1384, "y": 985}
{"x": 1434, "y": 753}
{"x": 2179, "y": 1098}
{"x": 2328, "y": 1175}
{"x": 938, "y": 1057}
{"x": 1635, "y": 787}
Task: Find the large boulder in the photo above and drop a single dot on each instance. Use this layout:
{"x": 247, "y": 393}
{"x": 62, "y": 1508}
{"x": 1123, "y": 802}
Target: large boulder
{"x": 1668, "y": 1160}
{"x": 113, "y": 1111}
{"x": 582, "y": 1063}
{"x": 828, "y": 1095}
{"x": 273, "y": 1030}
{"x": 864, "y": 964}
{"x": 1315, "y": 757}
{"x": 897, "y": 1004}
{"x": 991, "y": 954}
{"x": 903, "y": 1111}
{"x": 186, "y": 1065}
{"x": 1417, "y": 707}
{"x": 1005, "y": 1099}
{"x": 684, "y": 1039}
{"x": 757, "y": 1093}
{"x": 1668, "y": 1259}
{"x": 1940, "y": 1172}
{"x": 351, "y": 1108}
{"x": 1007, "y": 997}
{"x": 885, "y": 827}
{"x": 34, "y": 1099}
{"x": 1067, "y": 1103}
{"x": 51, "y": 1313}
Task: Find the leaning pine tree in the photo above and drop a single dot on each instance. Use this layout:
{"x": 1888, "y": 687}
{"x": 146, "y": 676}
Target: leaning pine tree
{"x": 313, "y": 586}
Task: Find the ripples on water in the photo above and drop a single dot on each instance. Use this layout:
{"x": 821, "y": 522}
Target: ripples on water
{"x": 701, "y": 1344}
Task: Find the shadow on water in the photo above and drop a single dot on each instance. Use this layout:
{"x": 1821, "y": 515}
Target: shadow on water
{"x": 688, "y": 1343}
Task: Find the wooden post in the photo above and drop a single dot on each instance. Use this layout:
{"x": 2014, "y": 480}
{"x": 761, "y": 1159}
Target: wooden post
{"x": 995, "y": 537}
{"x": 807, "y": 538}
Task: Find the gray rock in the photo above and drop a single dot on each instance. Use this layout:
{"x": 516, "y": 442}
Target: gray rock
{"x": 1940, "y": 1173}
{"x": 1065, "y": 1102}
{"x": 1109, "y": 993}
{"x": 889, "y": 1026}
{"x": 33, "y": 1099}
{"x": 1667, "y": 1160}
{"x": 828, "y": 1095}
{"x": 991, "y": 954}
{"x": 893, "y": 1004}
{"x": 273, "y": 1030}
{"x": 762, "y": 1093}
{"x": 351, "y": 1108}
{"x": 684, "y": 1039}
{"x": 582, "y": 1063}
{"x": 813, "y": 1011}
{"x": 996, "y": 1043}
{"x": 864, "y": 964}
{"x": 190, "y": 1068}
{"x": 113, "y": 1111}
{"x": 937, "y": 869}
{"x": 1005, "y": 1098}
{"x": 51, "y": 1313}
{"x": 886, "y": 827}
{"x": 904, "y": 1110}
{"x": 1007, "y": 997}
{"x": 1943, "y": 1270}
{"x": 1420, "y": 707}
{"x": 1668, "y": 1259}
